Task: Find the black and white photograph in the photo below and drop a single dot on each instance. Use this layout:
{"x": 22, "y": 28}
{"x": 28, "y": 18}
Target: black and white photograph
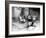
{"x": 25, "y": 19}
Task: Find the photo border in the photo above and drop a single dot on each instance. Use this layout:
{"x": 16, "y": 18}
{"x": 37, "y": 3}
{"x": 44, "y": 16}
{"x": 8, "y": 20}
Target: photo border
{"x": 7, "y": 18}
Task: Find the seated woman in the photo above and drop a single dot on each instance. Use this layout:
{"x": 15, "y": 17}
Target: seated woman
{"x": 29, "y": 20}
